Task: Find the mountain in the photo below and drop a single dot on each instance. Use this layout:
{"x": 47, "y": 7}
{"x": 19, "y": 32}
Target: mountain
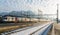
{"x": 22, "y": 13}
{"x": 28, "y": 14}
{"x": 3, "y": 13}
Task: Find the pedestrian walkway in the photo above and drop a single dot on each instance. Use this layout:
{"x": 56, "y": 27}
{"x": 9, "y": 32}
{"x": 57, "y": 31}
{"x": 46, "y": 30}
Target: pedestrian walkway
{"x": 55, "y": 29}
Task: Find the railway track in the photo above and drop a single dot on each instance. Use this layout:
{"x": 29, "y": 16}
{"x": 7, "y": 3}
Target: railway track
{"x": 27, "y": 29}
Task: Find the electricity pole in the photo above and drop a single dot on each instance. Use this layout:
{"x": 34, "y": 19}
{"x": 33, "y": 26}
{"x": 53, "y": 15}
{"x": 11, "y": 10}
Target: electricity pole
{"x": 39, "y": 14}
{"x": 57, "y": 13}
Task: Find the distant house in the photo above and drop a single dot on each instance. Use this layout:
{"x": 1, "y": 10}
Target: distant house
{"x": 10, "y": 18}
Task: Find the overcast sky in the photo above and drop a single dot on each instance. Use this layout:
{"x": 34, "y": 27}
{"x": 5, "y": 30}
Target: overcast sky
{"x": 46, "y": 6}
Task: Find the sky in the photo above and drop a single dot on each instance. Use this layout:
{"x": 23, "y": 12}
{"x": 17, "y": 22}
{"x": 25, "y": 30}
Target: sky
{"x": 46, "y": 6}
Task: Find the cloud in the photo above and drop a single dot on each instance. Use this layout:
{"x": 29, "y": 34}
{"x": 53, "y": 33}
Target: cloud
{"x": 45, "y": 5}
